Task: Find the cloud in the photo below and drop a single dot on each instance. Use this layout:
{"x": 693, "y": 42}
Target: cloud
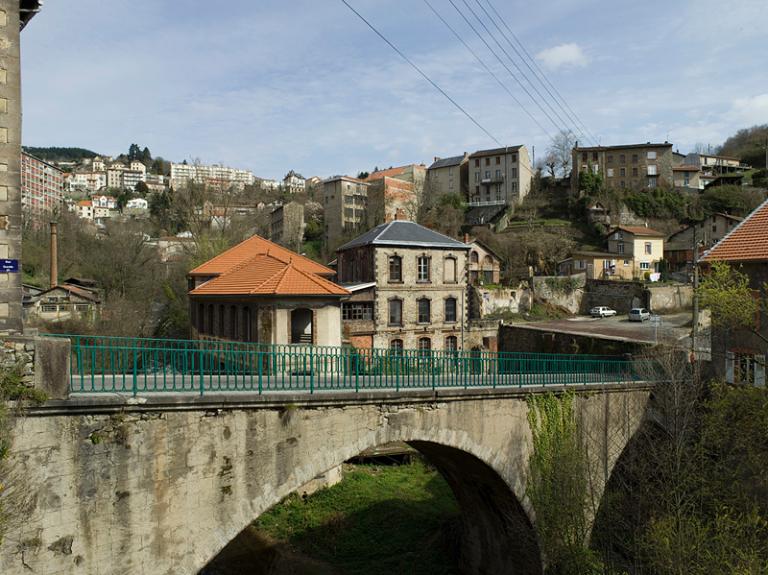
{"x": 751, "y": 110}
{"x": 563, "y": 56}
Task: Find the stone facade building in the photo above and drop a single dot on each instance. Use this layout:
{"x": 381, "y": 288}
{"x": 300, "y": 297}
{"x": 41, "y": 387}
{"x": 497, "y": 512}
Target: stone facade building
{"x": 408, "y": 286}
{"x": 501, "y": 176}
{"x": 14, "y": 15}
{"x": 390, "y": 199}
{"x": 739, "y": 353}
{"x": 678, "y": 249}
{"x": 260, "y": 292}
{"x": 632, "y": 166}
{"x": 286, "y": 226}
{"x": 483, "y": 266}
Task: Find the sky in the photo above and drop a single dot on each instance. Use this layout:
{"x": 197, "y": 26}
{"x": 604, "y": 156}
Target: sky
{"x": 274, "y": 85}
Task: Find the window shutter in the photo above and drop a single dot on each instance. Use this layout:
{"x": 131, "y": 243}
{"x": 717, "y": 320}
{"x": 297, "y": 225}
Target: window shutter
{"x": 760, "y": 370}
{"x": 729, "y": 364}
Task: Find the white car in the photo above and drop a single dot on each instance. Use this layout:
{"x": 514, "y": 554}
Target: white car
{"x": 639, "y": 314}
{"x": 602, "y": 311}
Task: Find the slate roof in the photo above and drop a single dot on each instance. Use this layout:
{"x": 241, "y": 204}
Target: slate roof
{"x": 748, "y": 241}
{"x": 483, "y": 215}
{"x": 446, "y": 162}
{"x": 494, "y": 151}
{"x": 406, "y": 234}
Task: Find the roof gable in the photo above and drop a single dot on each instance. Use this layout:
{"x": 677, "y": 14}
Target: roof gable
{"x": 638, "y": 231}
{"x": 748, "y": 241}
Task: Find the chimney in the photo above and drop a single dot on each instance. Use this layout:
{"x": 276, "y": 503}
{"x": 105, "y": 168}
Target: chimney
{"x": 466, "y": 238}
{"x": 54, "y": 255}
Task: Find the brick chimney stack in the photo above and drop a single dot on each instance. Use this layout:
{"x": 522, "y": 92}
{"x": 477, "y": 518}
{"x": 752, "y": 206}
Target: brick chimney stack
{"x": 54, "y": 255}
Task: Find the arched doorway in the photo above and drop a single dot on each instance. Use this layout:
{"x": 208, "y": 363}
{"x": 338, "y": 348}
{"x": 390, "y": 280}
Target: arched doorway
{"x": 302, "y": 326}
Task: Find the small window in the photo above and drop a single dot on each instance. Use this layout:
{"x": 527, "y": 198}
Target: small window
{"x": 626, "y": 263}
{"x": 425, "y": 345}
{"x": 645, "y": 266}
{"x": 610, "y": 172}
{"x": 622, "y": 159}
{"x": 634, "y": 158}
{"x": 594, "y": 156}
{"x": 634, "y": 172}
{"x": 498, "y": 174}
{"x": 451, "y": 343}
{"x": 620, "y": 248}
{"x": 395, "y": 312}
{"x": 423, "y": 268}
{"x": 609, "y": 159}
{"x": 623, "y": 172}
{"x": 450, "y": 309}
{"x": 652, "y": 170}
{"x": 424, "y": 310}
{"x": 487, "y": 161}
{"x": 395, "y": 269}
{"x": 477, "y": 177}
{"x": 584, "y": 156}
{"x": 477, "y": 162}
{"x": 648, "y": 248}
{"x": 487, "y": 174}
{"x": 651, "y": 155}
{"x": 513, "y": 172}
{"x": 396, "y": 345}
{"x": 498, "y": 160}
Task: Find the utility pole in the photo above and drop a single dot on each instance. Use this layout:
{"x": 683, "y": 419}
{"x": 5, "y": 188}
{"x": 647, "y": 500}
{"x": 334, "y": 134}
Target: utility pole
{"x": 695, "y": 330}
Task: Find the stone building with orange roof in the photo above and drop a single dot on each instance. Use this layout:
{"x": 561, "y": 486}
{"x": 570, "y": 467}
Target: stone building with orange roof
{"x": 738, "y": 355}
{"x": 258, "y": 291}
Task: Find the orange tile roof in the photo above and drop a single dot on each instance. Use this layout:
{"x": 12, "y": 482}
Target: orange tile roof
{"x": 391, "y": 172}
{"x": 639, "y": 231}
{"x": 260, "y": 267}
{"x": 252, "y": 247}
{"x": 265, "y": 274}
{"x": 748, "y": 241}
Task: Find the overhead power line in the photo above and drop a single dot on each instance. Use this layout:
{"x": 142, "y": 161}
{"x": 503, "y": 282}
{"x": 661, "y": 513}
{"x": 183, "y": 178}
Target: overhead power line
{"x": 423, "y": 74}
{"x": 543, "y": 77}
{"x": 487, "y": 69}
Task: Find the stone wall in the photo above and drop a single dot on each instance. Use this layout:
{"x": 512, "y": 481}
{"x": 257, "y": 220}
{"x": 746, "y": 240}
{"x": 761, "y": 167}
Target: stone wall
{"x": 619, "y": 295}
{"x": 566, "y": 292}
{"x": 670, "y": 298}
{"x": 44, "y": 362}
{"x": 159, "y": 489}
{"x": 484, "y": 301}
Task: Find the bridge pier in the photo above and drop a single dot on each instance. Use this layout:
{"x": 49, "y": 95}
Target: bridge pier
{"x": 159, "y": 485}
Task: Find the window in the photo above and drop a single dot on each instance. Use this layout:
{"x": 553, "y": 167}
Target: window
{"x": 449, "y": 270}
{"x": 474, "y": 258}
{"x": 487, "y": 161}
{"x": 634, "y": 172}
{"x": 652, "y": 183}
{"x": 498, "y": 160}
{"x": 714, "y": 228}
{"x": 395, "y": 269}
{"x": 634, "y": 158}
{"x": 487, "y": 174}
{"x": 651, "y": 155}
{"x": 623, "y": 184}
{"x": 395, "y": 312}
{"x": 513, "y": 172}
{"x": 209, "y": 323}
{"x": 396, "y": 345}
{"x": 609, "y": 159}
{"x": 610, "y": 172}
{"x": 424, "y": 310}
{"x": 425, "y": 345}
{"x": 626, "y": 263}
{"x": 648, "y": 248}
{"x": 451, "y": 343}
{"x": 622, "y": 159}
{"x": 498, "y": 174}
{"x": 623, "y": 172}
{"x": 584, "y": 156}
{"x": 514, "y": 158}
{"x": 477, "y": 162}
{"x": 645, "y": 266}
{"x": 620, "y": 247}
{"x": 594, "y": 156}
{"x": 423, "y": 271}
{"x": 652, "y": 171}
{"x": 477, "y": 177}
{"x": 357, "y": 311}
{"x": 450, "y": 309}
{"x": 743, "y": 368}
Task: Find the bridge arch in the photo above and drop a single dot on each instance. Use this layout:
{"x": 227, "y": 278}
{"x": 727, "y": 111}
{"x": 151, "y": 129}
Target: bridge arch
{"x": 497, "y": 533}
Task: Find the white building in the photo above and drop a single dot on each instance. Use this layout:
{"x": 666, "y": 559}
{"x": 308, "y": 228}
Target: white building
{"x": 214, "y": 175}
{"x": 132, "y": 177}
{"x": 137, "y": 204}
{"x": 294, "y": 182}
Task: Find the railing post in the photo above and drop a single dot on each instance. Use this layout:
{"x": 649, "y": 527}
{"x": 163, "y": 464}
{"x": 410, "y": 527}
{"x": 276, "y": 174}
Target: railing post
{"x": 311, "y": 371}
{"x": 357, "y": 371}
{"x": 135, "y": 375}
{"x": 202, "y": 371}
{"x": 260, "y": 360}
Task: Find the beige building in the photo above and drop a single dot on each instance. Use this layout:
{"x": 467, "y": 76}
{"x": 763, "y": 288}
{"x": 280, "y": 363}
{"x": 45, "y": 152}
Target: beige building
{"x": 714, "y": 165}
{"x": 484, "y": 266}
{"x": 286, "y": 225}
{"x": 687, "y": 176}
{"x": 408, "y": 286}
{"x": 63, "y": 302}
{"x": 633, "y": 166}
{"x": 390, "y": 199}
{"x": 447, "y": 176}
{"x": 345, "y": 201}
{"x": 634, "y": 252}
{"x": 501, "y": 176}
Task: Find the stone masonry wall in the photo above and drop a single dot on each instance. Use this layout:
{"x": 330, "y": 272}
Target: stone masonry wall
{"x": 132, "y": 490}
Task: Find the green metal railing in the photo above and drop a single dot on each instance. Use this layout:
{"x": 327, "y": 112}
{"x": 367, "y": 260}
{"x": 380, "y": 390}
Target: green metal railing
{"x": 105, "y": 364}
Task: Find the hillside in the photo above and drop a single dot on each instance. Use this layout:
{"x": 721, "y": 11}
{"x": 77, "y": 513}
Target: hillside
{"x": 748, "y": 145}
{"x": 60, "y": 154}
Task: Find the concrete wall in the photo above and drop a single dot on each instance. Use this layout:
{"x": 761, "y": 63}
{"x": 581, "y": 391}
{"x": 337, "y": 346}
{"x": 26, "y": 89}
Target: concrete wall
{"x": 566, "y": 292}
{"x": 10, "y": 165}
{"x": 670, "y": 298}
{"x": 532, "y": 339}
{"x": 155, "y": 489}
{"x": 43, "y": 361}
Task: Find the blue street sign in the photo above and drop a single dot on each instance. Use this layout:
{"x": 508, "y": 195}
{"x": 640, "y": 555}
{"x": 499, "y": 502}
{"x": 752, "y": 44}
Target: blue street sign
{"x": 9, "y": 266}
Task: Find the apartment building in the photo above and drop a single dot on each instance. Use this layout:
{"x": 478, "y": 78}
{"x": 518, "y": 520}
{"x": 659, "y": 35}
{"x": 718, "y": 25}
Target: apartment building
{"x": 287, "y": 225}
{"x": 390, "y": 199}
{"x": 714, "y": 165}
{"x": 688, "y": 176}
{"x": 131, "y": 178}
{"x": 447, "y": 176}
{"x": 678, "y": 249}
{"x": 632, "y": 166}
{"x": 214, "y": 175}
{"x": 408, "y": 286}
{"x": 294, "y": 182}
{"x": 500, "y": 177}
{"x": 42, "y": 187}
{"x": 345, "y": 200}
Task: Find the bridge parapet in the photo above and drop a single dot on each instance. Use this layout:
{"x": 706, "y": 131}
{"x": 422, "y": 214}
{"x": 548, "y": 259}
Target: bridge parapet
{"x": 42, "y": 361}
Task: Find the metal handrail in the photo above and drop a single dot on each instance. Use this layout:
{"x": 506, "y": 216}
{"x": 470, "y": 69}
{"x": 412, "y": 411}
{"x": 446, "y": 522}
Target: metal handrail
{"x": 114, "y": 364}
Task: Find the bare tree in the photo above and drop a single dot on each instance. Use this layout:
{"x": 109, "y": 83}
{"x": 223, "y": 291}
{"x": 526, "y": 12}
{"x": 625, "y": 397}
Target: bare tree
{"x": 559, "y": 153}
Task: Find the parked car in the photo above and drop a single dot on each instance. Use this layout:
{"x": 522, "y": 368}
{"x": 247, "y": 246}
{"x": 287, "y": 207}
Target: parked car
{"x": 639, "y": 314}
{"x": 602, "y": 311}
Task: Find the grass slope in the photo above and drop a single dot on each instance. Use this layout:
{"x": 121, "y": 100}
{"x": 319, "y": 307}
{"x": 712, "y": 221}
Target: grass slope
{"x": 378, "y": 520}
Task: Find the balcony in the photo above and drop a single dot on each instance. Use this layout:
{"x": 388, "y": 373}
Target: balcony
{"x": 474, "y": 203}
{"x": 493, "y": 180}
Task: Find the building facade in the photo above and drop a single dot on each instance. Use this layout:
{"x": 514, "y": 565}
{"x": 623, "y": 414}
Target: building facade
{"x": 501, "y": 176}
{"x": 678, "y": 249}
{"x": 632, "y": 166}
{"x": 345, "y": 201}
{"x": 42, "y": 187}
{"x": 286, "y": 225}
{"x": 214, "y": 175}
{"x": 447, "y": 176}
{"x": 293, "y": 182}
{"x": 687, "y": 176}
{"x": 390, "y": 199}
{"x": 408, "y": 286}
{"x": 483, "y": 265}
{"x": 260, "y": 292}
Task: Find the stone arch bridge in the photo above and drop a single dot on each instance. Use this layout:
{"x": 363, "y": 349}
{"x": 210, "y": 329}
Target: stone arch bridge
{"x": 159, "y": 485}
